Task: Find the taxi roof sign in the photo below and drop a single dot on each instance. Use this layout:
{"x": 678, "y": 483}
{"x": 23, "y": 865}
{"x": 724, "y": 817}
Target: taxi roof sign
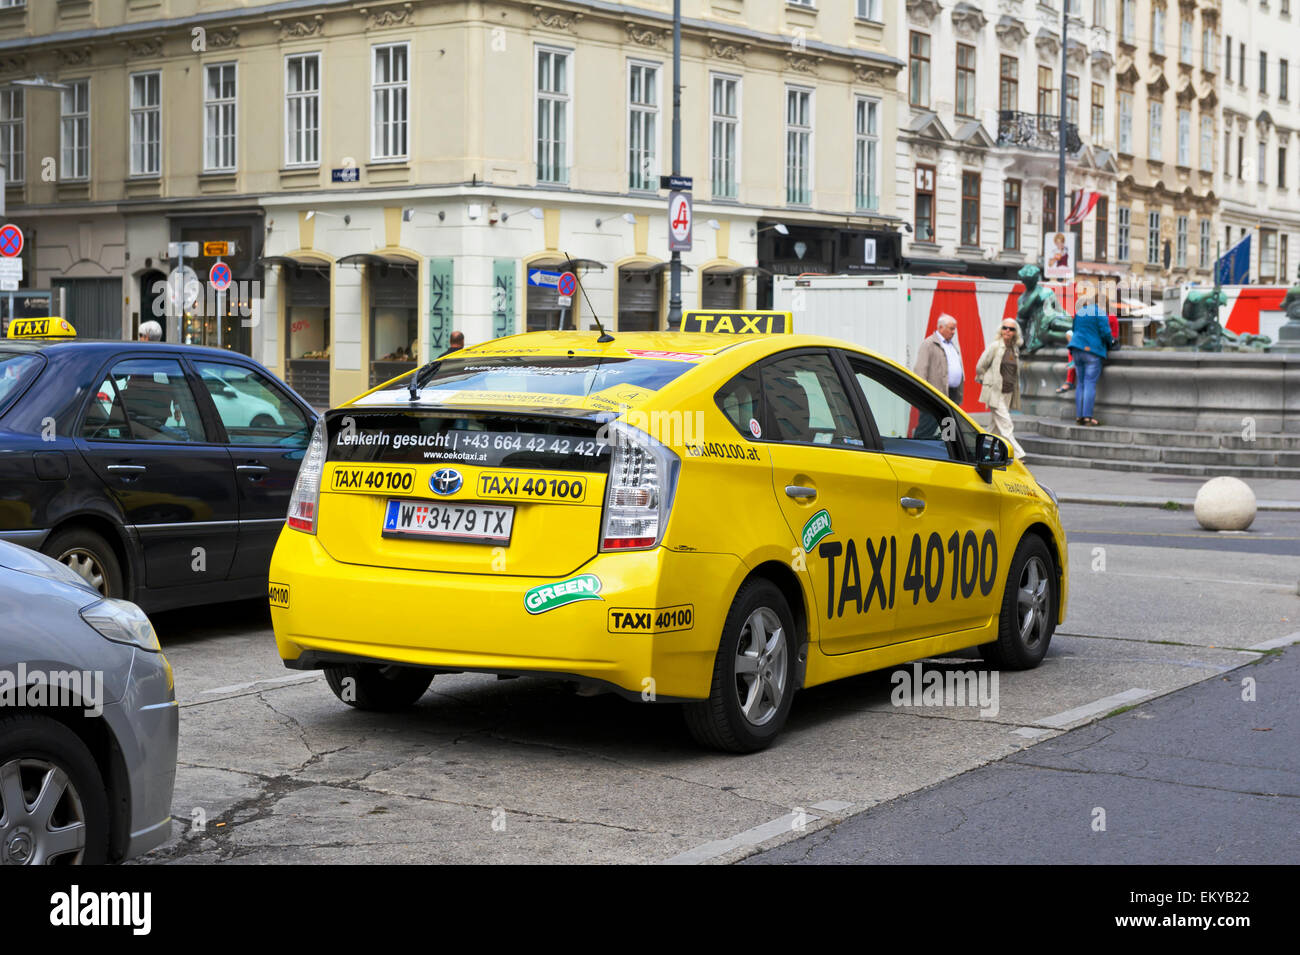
{"x": 736, "y": 321}
{"x": 49, "y": 327}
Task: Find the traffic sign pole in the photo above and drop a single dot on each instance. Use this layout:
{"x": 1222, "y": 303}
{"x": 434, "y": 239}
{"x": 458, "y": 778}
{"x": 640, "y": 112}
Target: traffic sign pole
{"x": 675, "y": 280}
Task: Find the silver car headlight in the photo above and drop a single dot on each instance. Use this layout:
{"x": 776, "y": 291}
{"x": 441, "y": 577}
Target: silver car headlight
{"x": 122, "y": 622}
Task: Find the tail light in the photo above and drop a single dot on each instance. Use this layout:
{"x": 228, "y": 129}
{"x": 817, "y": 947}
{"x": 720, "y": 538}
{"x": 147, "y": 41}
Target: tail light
{"x": 304, "y": 503}
{"x": 639, "y": 496}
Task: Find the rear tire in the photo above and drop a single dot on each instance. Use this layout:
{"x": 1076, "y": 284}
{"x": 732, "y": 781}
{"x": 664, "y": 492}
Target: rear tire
{"x": 753, "y": 674}
{"x": 1029, "y": 603}
{"x": 383, "y": 688}
{"x": 90, "y": 557}
{"x": 46, "y": 766}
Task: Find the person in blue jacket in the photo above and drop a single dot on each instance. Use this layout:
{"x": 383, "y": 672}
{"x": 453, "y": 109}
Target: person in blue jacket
{"x": 1089, "y": 343}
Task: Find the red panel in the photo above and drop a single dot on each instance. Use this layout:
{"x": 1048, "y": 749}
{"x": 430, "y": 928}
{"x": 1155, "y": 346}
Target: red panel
{"x": 957, "y": 298}
{"x": 1244, "y": 314}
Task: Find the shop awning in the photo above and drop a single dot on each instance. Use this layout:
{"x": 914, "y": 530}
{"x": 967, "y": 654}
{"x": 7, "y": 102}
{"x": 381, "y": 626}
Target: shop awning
{"x": 654, "y": 268}
{"x": 293, "y": 261}
{"x": 729, "y": 270}
{"x": 378, "y": 259}
{"x": 562, "y": 263}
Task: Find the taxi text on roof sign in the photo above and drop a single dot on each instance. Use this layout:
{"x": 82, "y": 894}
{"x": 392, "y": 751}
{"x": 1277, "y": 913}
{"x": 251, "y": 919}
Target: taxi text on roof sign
{"x": 737, "y": 322}
{"x": 50, "y": 327}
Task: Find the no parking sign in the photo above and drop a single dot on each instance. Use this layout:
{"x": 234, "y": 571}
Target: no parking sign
{"x": 565, "y": 287}
{"x": 220, "y": 276}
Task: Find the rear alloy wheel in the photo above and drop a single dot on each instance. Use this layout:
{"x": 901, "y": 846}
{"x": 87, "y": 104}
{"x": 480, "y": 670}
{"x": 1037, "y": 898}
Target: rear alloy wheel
{"x": 53, "y": 806}
{"x": 376, "y": 686}
{"x": 1028, "y": 617}
{"x": 753, "y": 674}
{"x": 90, "y": 557}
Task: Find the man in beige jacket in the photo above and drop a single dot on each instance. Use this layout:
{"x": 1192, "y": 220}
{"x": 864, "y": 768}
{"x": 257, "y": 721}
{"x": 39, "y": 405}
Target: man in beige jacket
{"x": 998, "y": 370}
{"x": 939, "y": 360}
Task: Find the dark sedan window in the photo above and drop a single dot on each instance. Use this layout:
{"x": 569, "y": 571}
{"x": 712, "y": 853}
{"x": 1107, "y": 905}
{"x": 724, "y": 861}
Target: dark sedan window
{"x": 252, "y": 409}
{"x": 16, "y": 370}
{"x": 144, "y": 399}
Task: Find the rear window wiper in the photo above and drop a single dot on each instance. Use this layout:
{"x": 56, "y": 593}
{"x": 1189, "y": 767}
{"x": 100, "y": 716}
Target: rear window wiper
{"x": 422, "y": 376}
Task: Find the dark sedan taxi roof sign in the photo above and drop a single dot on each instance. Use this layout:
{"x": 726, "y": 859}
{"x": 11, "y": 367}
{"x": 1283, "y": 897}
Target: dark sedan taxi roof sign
{"x": 736, "y": 321}
{"x": 49, "y": 327}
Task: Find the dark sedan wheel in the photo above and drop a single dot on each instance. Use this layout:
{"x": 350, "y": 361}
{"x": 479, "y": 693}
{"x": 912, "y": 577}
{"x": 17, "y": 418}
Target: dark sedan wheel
{"x": 90, "y": 557}
{"x": 53, "y": 805}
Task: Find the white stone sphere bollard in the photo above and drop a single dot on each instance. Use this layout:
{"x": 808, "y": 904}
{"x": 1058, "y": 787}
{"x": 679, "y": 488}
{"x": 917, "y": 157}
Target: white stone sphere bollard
{"x": 1225, "y": 504}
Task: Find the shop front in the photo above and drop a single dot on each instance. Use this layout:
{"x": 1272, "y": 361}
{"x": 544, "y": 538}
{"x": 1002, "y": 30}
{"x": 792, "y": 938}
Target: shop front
{"x": 542, "y": 310}
{"x": 724, "y": 286}
{"x": 304, "y": 283}
{"x": 217, "y": 318}
{"x": 793, "y": 249}
{"x": 392, "y": 312}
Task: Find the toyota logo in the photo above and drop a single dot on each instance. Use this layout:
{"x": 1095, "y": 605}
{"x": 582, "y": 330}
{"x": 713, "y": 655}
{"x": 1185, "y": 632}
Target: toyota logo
{"x": 446, "y": 481}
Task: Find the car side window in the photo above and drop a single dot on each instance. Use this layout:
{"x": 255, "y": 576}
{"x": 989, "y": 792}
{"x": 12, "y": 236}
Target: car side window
{"x": 741, "y": 401}
{"x": 909, "y": 421}
{"x": 144, "y": 399}
{"x": 252, "y": 409}
{"x": 806, "y": 402}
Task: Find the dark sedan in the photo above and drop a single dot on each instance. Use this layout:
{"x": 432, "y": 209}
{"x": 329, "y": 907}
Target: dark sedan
{"x": 159, "y": 473}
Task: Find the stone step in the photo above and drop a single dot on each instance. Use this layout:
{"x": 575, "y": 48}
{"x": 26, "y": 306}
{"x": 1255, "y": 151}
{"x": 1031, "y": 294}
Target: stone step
{"x": 1037, "y": 459}
{"x": 1104, "y": 451}
{"x": 1235, "y": 440}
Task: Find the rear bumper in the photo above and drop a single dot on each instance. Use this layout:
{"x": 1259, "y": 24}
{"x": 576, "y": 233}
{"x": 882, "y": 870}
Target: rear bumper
{"x": 325, "y": 611}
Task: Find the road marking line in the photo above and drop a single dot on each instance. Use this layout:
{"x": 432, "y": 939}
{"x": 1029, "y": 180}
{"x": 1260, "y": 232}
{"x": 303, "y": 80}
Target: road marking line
{"x": 750, "y": 837}
{"x": 236, "y": 687}
{"x": 1276, "y": 642}
{"x": 1104, "y": 705}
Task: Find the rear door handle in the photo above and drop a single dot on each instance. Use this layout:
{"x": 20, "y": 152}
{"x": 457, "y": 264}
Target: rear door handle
{"x": 912, "y": 503}
{"x": 798, "y": 491}
{"x": 254, "y": 472}
{"x": 127, "y": 472}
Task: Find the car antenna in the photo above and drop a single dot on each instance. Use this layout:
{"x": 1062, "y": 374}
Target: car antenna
{"x": 604, "y": 335}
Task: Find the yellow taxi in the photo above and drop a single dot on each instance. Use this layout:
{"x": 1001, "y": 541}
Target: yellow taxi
{"x": 716, "y": 519}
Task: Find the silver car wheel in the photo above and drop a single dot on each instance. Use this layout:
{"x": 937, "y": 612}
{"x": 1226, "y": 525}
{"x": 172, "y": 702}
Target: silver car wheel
{"x": 86, "y": 566}
{"x": 42, "y": 819}
{"x": 1032, "y": 602}
{"x": 761, "y": 669}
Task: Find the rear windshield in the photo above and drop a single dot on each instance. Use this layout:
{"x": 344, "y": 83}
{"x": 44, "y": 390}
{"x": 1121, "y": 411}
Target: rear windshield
{"x": 576, "y": 375}
{"x": 17, "y": 369}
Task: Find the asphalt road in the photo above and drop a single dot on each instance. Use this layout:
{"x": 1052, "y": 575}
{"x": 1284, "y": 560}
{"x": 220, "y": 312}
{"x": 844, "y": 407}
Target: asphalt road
{"x": 273, "y": 769}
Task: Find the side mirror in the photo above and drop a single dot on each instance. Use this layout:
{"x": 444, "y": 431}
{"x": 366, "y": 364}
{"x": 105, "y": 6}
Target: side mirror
{"x": 991, "y": 454}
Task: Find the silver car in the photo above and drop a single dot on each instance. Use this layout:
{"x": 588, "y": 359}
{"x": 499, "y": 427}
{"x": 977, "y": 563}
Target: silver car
{"x": 88, "y": 720}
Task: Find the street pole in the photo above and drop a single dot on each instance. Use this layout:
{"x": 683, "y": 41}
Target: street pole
{"x": 1060, "y": 173}
{"x": 675, "y": 274}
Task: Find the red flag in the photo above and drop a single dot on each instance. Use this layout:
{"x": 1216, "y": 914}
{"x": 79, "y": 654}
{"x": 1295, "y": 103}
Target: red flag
{"x": 1083, "y": 203}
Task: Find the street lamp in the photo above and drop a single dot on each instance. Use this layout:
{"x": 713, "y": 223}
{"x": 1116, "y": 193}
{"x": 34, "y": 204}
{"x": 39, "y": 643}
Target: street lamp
{"x": 779, "y": 228}
{"x": 39, "y": 82}
{"x": 535, "y": 212}
{"x": 312, "y": 213}
{"x": 408, "y": 214}
{"x": 627, "y": 217}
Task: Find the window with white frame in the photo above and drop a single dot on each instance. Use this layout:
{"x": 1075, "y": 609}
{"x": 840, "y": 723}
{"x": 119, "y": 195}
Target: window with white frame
{"x": 13, "y": 140}
{"x": 867, "y": 153}
{"x": 1123, "y": 247}
{"x": 1158, "y": 30}
{"x": 869, "y": 9}
{"x": 1185, "y": 30}
{"x": 798, "y": 145}
{"x": 553, "y": 100}
{"x": 1208, "y": 45}
{"x": 390, "y": 102}
{"x": 302, "y": 109}
{"x": 1156, "y": 131}
{"x": 1153, "y": 237}
{"x": 146, "y": 124}
{"x": 75, "y": 129}
{"x": 1099, "y": 13}
{"x": 1203, "y": 259}
{"x": 1125, "y": 122}
{"x": 1261, "y": 161}
{"x": 1128, "y": 21}
{"x": 724, "y": 136}
{"x": 1184, "y": 137}
{"x": 1180, "y": 243}
{"x": 1207, "y": 143}
{"x": 219, "y": 118}
{"x": 643, "y": 127}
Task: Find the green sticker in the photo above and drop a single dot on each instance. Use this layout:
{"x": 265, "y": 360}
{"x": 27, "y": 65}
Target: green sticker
{"x": 818, "y": 526}
{"x": 549, "y": 596}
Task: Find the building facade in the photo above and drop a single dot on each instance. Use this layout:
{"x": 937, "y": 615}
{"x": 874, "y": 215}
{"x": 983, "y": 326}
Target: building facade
{"x": 979, "y": 116}
{"x": 1168, "y": 136}
{"x": 386, "y": 172}
{"x": 1260, "y": 194}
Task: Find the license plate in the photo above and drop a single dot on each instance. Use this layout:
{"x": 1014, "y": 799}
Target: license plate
{"x": 475, "y": 523}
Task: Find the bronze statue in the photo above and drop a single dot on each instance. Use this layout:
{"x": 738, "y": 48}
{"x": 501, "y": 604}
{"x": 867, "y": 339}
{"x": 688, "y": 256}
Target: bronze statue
{"x": 1198, "y": 327}
{"x": 1042, "y": 323}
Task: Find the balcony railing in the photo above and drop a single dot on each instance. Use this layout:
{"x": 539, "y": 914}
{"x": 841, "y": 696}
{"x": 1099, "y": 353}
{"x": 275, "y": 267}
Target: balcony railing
{"x": 1037, "y": 131}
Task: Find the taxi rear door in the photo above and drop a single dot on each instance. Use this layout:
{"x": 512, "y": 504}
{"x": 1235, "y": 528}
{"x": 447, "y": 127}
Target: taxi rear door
{"x": 836, "y": 495}
{"x": 950, "y": 564}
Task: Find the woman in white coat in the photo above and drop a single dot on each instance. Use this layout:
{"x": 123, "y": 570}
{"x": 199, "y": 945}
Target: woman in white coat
{"x": 998, "y": 370}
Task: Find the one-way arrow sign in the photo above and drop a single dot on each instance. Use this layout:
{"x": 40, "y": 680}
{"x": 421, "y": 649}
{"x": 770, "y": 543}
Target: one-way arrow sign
{"x": 543, "y": 277}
